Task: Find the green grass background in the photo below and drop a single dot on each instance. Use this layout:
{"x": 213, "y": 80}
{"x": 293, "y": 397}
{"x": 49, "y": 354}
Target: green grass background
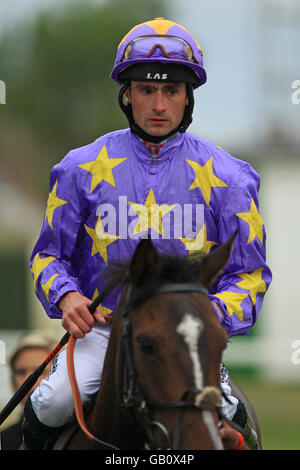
{"x": 278, "y": 410}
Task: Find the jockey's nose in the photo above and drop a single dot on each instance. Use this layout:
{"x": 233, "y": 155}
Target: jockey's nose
{"x": 159, "y": 102}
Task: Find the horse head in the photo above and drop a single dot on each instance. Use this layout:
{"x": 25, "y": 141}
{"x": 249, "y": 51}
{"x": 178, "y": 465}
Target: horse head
{"x": 171, "y": 348}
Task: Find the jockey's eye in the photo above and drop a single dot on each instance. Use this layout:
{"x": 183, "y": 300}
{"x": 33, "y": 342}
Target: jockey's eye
{"x": 145, "y": 345}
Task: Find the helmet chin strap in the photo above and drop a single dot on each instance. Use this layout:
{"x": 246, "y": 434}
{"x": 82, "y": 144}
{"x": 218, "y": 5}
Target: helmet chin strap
{"x": 186, "y": 120}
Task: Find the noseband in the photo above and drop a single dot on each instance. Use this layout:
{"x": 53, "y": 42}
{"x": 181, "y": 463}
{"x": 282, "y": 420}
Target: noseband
{"x": 133, "y": 402}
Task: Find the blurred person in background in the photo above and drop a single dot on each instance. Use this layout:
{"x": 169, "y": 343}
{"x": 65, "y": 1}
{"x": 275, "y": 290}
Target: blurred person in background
{"x": 28, "y": 353}
{"x": 153, "y": 162}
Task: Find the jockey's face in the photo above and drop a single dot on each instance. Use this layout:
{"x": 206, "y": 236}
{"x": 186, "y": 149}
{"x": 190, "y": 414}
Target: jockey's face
{"x": 157, "y": 107}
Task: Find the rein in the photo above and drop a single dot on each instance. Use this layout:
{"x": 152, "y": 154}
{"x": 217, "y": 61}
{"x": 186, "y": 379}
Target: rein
{"x": 77, "y": 398}
{"x": 133, "y": 403}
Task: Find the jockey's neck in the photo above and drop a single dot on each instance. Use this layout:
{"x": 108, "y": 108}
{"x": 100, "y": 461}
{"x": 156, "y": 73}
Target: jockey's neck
{"x": 154, "y": 148}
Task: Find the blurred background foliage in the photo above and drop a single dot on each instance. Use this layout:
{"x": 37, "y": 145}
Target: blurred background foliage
{"x": 60, "y": 95}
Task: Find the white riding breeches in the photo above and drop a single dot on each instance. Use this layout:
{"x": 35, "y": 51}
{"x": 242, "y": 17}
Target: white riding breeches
{"x": 52, "y": 400}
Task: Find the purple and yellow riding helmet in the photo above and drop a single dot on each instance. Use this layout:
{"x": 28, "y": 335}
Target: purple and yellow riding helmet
{"x": 159, "y": 50}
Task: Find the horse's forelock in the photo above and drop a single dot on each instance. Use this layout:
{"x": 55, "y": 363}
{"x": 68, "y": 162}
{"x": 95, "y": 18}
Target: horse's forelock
{"x": 168, "y": 269}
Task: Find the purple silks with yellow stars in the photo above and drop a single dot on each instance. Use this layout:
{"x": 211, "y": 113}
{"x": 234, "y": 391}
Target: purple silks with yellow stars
{"x": 189, "y": 197}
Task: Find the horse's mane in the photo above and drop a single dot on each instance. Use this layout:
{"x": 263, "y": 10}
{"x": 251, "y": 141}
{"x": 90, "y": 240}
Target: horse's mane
{"x": 168, "y": 269}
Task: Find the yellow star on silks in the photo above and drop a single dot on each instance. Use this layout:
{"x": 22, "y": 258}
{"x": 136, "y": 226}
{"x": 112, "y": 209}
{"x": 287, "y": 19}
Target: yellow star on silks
{"x": 199, "y": 243}
{"x": 255, "y": 221}
{"x": 101, "y": 168}
{"x": 53, "y": 203}
{"x": 150, "y": 214}
{"x": 101, "y": 239}
{"x": 47, "y": 285}
{"x": 104, "y": 310}
{"x": 233, "y": 302}
{"x": 205, "y": 179}
{"x": 253, "y": 282}
{"x": 38, "y": 265}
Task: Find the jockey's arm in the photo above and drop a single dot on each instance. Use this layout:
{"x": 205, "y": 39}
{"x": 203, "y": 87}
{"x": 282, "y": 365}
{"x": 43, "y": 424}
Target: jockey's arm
{"x": 238, "y": 294}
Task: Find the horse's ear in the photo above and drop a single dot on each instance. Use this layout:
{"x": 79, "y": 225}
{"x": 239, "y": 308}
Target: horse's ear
{"x": 143, "y": 261}
{"x": 214, "y": 263}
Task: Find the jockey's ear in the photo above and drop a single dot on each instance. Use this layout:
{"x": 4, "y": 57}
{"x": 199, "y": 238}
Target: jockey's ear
{"x": 143, "y": 261}
{"x": 214, "y": 263}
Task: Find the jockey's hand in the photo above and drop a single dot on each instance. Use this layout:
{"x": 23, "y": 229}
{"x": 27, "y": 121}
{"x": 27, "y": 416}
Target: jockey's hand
{"x": 77, "y": 319}
{"x": 230, "y": 438}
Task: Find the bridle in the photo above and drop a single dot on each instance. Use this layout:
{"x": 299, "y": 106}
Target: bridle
{"x": 133, "y": 403}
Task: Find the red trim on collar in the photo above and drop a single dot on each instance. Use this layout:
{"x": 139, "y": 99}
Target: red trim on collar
{"x": 152, "y": 147}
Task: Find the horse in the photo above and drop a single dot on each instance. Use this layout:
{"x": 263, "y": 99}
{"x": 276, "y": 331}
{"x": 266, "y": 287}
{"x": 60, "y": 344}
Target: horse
{"x": 160, "y": 386}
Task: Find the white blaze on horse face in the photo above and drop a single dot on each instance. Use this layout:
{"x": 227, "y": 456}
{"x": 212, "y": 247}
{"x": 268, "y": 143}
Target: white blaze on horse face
{"x": 190, "y": 328}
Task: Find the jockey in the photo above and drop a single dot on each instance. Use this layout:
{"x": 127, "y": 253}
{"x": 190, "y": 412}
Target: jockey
{"x": 100, "y": 193}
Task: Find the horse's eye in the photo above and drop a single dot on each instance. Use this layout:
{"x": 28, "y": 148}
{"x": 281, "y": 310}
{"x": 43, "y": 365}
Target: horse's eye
{"x": 145, "y": 345}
